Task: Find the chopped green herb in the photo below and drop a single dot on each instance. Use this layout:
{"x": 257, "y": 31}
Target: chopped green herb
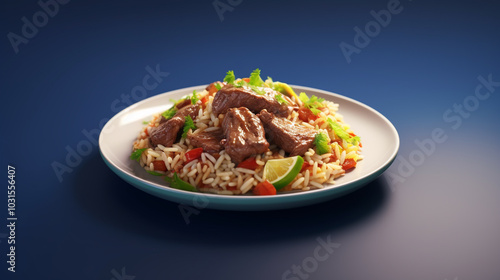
{"x": 145, "y": 122}
{"x": 340, "y": 132}
{"x": 255, "y": 79}
{"x": 194, "y": 98}
{"x": 315, "y": 111}
{"x": 177, "y": 183}
{"x": 312, "y": 103}
{"x": 136, "y": 155}
{"x": 259, "y": 91}
{"x": 229, "y": 77}
{"x": 169, "y": 113}
{"x": 269, "y": 81}
{"x": 322, "y": 142}
{"x": 189, "y": 124}
{"x": 154, "y": 173}
{"x": 218, "y": 86}
{"x": 240, "y": 83}
{"x": 277, "y": 87}
{"x": 280, "y": 99}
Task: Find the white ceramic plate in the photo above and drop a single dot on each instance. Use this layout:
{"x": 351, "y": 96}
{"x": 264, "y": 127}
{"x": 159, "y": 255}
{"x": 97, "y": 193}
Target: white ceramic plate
{"x": 379, "y": 137}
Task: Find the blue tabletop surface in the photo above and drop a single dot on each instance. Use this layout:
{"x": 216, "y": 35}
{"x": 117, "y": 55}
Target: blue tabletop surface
{"x": 431, "y": 67}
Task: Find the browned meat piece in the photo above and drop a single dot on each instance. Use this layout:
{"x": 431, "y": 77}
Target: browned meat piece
{"x": 291, "y": 137}
{"x": 212, "y": 88}
{"x": 166, "y": 133}
{"x": 234, "y": 97}
{"x": 208, "y": 140}
{"x": 183, "y": 103}
{"x": 244, "y": 134}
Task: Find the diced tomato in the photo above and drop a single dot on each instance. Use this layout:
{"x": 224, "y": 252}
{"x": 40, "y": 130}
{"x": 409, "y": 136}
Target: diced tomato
{"x": 212, "y": 88}
{"x": 159, "y": 165}
{"x": 249, "y": 163}
{"x": 305, "y": 166}
{"x": 333, "y": 157}
{"x": 246, "y": 80}
{"x": 264, "y": 188}
{"x": 204, "y": 100}
{"x": 146, "y": 131}
{"x": 305, "y": 114}
{"x": 348, "y": 164}
{"x": 193, "y": 154}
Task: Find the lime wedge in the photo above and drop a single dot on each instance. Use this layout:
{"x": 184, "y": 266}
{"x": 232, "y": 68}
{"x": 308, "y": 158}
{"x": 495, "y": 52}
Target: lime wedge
{"x": 280, "y": 172}
{"x": 287, "y": 90}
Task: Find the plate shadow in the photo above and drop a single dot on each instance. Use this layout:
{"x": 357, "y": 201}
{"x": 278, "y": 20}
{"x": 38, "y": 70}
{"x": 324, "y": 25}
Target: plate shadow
{"x": 110, "y": 200}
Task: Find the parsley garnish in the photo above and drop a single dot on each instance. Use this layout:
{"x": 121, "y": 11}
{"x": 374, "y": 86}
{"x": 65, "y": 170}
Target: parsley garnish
{"x": 136, "y": 155}
{"x": 257, "y": 90}
{"x": 280, "y": 99}
{"x": 145, "y": 122}
{"x": 240, "y": 83}
{"x": 189, "y": 124}
{"x": 312, "y": 103}
{"x": 255, "y": 79}
{"x": 322, "y": 142}
{"x": 218, "y": 86}
{"x": 177, "y": 183}
{"x": 269, "y": 81}
{"x": 154, "y": 173}
{"x": 169, "y": 113}
{"x": 229, "y": 77}
{"x": 194, "y": 98}
{"x": 341, "y": 133}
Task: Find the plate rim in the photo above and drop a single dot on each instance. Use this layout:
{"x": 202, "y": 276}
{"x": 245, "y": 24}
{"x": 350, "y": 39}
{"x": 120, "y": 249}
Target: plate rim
{"x": 244, "y": 202}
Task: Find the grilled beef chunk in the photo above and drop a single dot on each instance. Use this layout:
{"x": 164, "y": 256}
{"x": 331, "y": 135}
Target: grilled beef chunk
{"x": 208, "y": 140}
{"x": 292, "y": 138}
{"x": 244, "y": 134}
{"x": 166, "y": 133}
{"x": 183, "y": 103}
{"x": 234, "y": 97}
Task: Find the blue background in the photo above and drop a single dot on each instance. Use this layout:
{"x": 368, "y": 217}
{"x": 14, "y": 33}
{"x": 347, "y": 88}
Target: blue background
{"x": 435, "y": 218}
